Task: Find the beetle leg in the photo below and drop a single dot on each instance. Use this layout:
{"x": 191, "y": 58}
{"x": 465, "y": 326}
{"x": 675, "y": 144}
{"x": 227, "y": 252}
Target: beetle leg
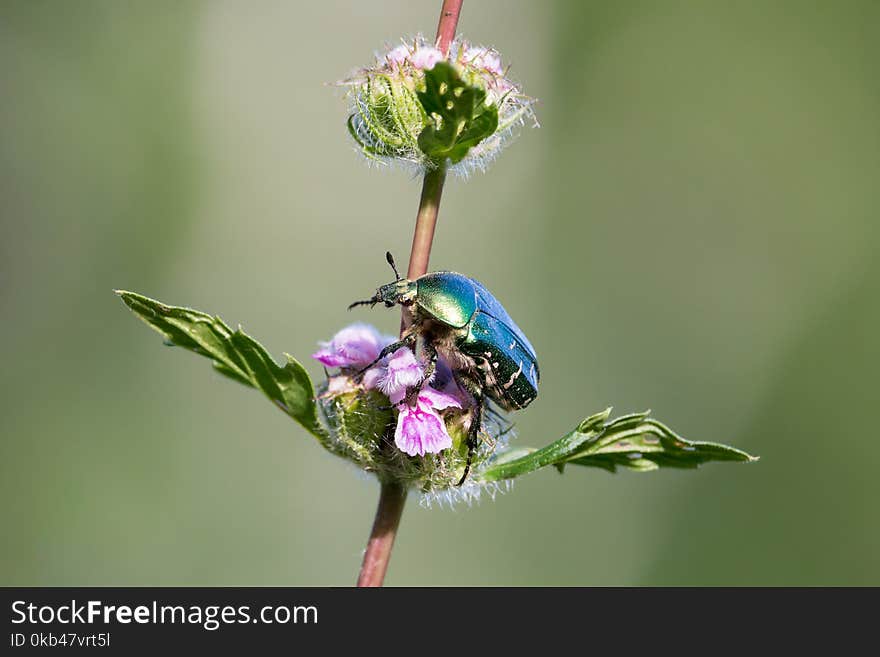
{"x": 473, "y": 436}
{"x": 413, "y": 393}
{"x": 431, "y": 365}
{"x": 408, "y": 340}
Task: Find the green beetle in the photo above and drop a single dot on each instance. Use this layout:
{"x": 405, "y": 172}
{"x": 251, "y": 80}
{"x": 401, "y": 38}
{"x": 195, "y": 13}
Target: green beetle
{"x": 459, "y": 319}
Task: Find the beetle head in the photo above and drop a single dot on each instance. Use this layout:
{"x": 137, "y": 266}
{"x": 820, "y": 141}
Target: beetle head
{"x": 402, "y": 291}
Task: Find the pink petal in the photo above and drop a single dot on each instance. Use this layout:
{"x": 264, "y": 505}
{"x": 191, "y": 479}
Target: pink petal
{"x": 328, "y": 358}
{"x": 484, "y": 58}
{"x": 357, "y": 344}
{"x": 396, "y": 56}
{"x": 431, "y": 398}
{"x": 426, "y": 57}
{"x": 397, "y": 396}
{"x": 402, "y": 371}
{"x": 420, "y": 432}
{"x": 435, "y": 438}
{"x": 372, "y": 377}
{"x": 338, "y": 385}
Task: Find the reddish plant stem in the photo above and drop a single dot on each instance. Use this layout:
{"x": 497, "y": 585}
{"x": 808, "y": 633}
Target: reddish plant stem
{"x": 426, "y": 220}
{"x": 432, "y": 185}
{"x": 449, "y": 14}
{"x": 392, "y": 496}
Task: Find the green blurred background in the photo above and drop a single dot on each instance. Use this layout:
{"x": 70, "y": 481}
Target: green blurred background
{"x": 692, "y": 230}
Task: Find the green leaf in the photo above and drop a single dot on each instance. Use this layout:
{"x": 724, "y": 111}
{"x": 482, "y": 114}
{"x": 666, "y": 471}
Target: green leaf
{"x": 235, "y": 355}
{"x": 460, "y": 118}
{"x": 634, "y": 441}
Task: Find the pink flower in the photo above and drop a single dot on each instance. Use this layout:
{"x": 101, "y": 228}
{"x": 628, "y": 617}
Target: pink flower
{"x": 420, "y": 429}
{"x": 402, "y": 371}
{"x": 426, "y": 57}
{"x": 396, "y": 56}
{"x": 338, "y": 385}
{"x": 418, "y": 56}
{"x": 372, "y": 377}
{"x": 484, "y": 58}
{"x": 354, "y": 346}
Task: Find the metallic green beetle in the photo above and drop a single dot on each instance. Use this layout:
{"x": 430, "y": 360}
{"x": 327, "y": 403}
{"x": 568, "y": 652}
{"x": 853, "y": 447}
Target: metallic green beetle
{"x": 459, "y": 319}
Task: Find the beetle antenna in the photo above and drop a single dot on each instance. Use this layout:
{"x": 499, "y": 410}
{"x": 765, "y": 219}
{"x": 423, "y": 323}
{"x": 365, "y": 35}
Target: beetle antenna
{"x": 390, "y": 259}
{"x": 366, "y": 302}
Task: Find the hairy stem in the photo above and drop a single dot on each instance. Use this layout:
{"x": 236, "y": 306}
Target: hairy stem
{"x": 392, "y": 496}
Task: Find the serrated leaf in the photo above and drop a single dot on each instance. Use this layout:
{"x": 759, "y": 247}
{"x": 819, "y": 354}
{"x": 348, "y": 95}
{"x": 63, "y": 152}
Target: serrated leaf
{"x": 235, "y": 355}
{"x": 460, "y": 118}
{"x": 634, "y": 441}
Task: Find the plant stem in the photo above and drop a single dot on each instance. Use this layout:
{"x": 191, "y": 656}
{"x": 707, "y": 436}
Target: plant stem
{"x": 392, "y": 496}
{"x": 426, "y": 220}
{"x": 432, "y": 185}
{"x": 449, "y": 14}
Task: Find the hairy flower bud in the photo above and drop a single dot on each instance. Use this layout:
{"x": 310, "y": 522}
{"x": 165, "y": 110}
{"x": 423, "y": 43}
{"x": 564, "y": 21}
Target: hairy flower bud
{"x": 392, "y": 422}
{"x": 389, "y": 116}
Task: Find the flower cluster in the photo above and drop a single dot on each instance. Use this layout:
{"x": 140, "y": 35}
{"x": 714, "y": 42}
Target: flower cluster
{"x": 387, "y": 116}
{"x": 394, "y": 422}
{"x": 420, "y": 428}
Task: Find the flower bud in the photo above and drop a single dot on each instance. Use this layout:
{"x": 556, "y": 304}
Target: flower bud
{"x": 388, "y": 116}
{"x": 393, "y": 422}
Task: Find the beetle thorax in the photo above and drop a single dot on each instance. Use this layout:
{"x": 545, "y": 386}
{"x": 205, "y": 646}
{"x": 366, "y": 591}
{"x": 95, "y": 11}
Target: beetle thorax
{"x": 403, "y": 292}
